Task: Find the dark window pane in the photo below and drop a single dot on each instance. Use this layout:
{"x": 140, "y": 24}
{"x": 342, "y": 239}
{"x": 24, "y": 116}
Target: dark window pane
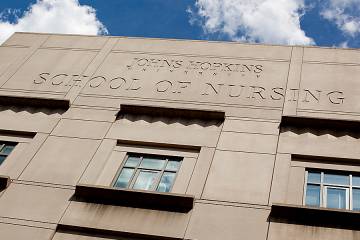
{"x": 336, "y": 198}
{"x": 312, "y": 195}
{"x": 132, "y": 161}
{"x": 336, "y": 179}
{"x": 146, "y": 180}
{"x": 152, "y": 163}
{"x": 124, "y": 177}
{"x": 356, "y": 199}
{"x": 314, "y": 177}
{"x": 356, "y": 181}
{"x": 2, "y": 158}
{"x": 173, "y": 165}
{"x": 7, "y": 149}
{"x": 166, "y": 182}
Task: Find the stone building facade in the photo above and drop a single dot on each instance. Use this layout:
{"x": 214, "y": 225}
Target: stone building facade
{"x": 131, "y": 138}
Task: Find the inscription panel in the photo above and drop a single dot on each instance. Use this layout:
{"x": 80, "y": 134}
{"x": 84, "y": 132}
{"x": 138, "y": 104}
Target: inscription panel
{"x": 244, "y": 82}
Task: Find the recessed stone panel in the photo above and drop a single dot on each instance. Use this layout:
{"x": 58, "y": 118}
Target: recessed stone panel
{"x": 214, "y": 222}
{"x": 329, "y": 87}
{"x": 52, "y": 70}
{"x": 232, "y": 177}
{"x": 37, "y": 203}
{"x": 60, "y": 160}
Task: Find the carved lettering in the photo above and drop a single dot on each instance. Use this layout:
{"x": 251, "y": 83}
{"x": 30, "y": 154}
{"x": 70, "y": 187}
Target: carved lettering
{"x": 293, "y": 94}
{"x": 257, "y": 91}
{"x": 315, "y": 96}
{"x": 134, "y": 84}
{"x": 336, "y": 97}
{"x": 97, "y": 81}
{"x": 235, "y": 90}
{"x": 42, "y": 78}
{"x": 163, "y": 86}
{"x": 204, "y": 66}
{"x": 210, "y": 86}
{"x": 117, "y": 82}
{"x": 277, "y": 93}
{"x": 58, "y": 79}
{"x": 181, "y": 85}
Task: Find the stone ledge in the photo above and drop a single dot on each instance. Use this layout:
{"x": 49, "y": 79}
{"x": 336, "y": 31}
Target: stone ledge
{"x": 320, "y": 123}
{"x": 313, "y": 216}
{"x": 34, "y": 102}
{"x": 134, "y": 198}
{"x": 4, "y": 182}
{"x": 172, "y": 112}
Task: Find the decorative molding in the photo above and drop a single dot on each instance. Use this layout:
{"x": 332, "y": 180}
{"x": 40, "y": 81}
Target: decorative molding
{"x": 165, "y": 112}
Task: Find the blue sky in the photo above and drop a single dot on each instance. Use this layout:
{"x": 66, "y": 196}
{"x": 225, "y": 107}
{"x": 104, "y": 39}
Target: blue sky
{"x": 333, "y": 23}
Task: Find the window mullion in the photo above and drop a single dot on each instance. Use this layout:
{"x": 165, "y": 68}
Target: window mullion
{"x": 322, "y": 190}
{"x": 161, "y": 174}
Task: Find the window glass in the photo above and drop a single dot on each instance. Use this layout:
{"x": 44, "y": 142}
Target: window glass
{"x": 312, "y": 195}
{"x": 152, "y": 163}
{"x": 148, "y": 172}
{"x": 124, "y": 178}
{"x": 356, "y": 181}
{"x": 5, "y": 149}
{"x": 336, "y": 179}
{"x": 146, "y": 180}
{"x": 2, "y": 158}
{"x": 356, "y": 199}
{"x": 314, "y": 177}
{"x": 132, "y": 161}
{"x": 166, "y": 182}
{"x": 336, "y": 198}
{"x": 173, "y": 165}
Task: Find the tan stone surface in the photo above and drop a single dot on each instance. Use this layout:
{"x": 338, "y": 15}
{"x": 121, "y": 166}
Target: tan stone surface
{"x": 247, "y": 142}
{"x": 35, "y": 203}
{"x": 19, "y": 232}
{"x": 279, "y": 231}
{"x": 204, "y": 48}
{"x": 75, "y": 41}
{"x": 76, "y": 236}
{"x": 232, "y": 177}
{"x": 160, "y": 223}
{"x": 251, "y": 126}
{"x": 81, "y": 129}
{"x": 60, "y": 160}
{"x": 213, "y": 222}
{"x": 52, "y": 70}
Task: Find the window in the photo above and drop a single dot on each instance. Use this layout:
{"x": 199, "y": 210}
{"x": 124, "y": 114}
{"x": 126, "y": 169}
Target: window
{"x": 148, "y": 172}
{"x": 332, "y": 190}
{"x": 5, "y": 150}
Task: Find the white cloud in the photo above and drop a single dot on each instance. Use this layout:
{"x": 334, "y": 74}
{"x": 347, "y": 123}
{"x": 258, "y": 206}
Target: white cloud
{"x": 53, "y": 16}
{"x": 265, "y": 21}
{"x": 344, "y": 13}
{"x": 344, "y": 44}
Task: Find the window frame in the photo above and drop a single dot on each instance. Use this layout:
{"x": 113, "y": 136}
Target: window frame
{"x": 138, "y": 169}
{"x": 324, "y": 186}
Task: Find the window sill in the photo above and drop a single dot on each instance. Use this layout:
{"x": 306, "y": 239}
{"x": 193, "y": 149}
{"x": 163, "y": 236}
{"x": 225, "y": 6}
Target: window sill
{"x": 4, "y": 182}
{"x": 313, "y": 216}
{"x": 134, "y": 198}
